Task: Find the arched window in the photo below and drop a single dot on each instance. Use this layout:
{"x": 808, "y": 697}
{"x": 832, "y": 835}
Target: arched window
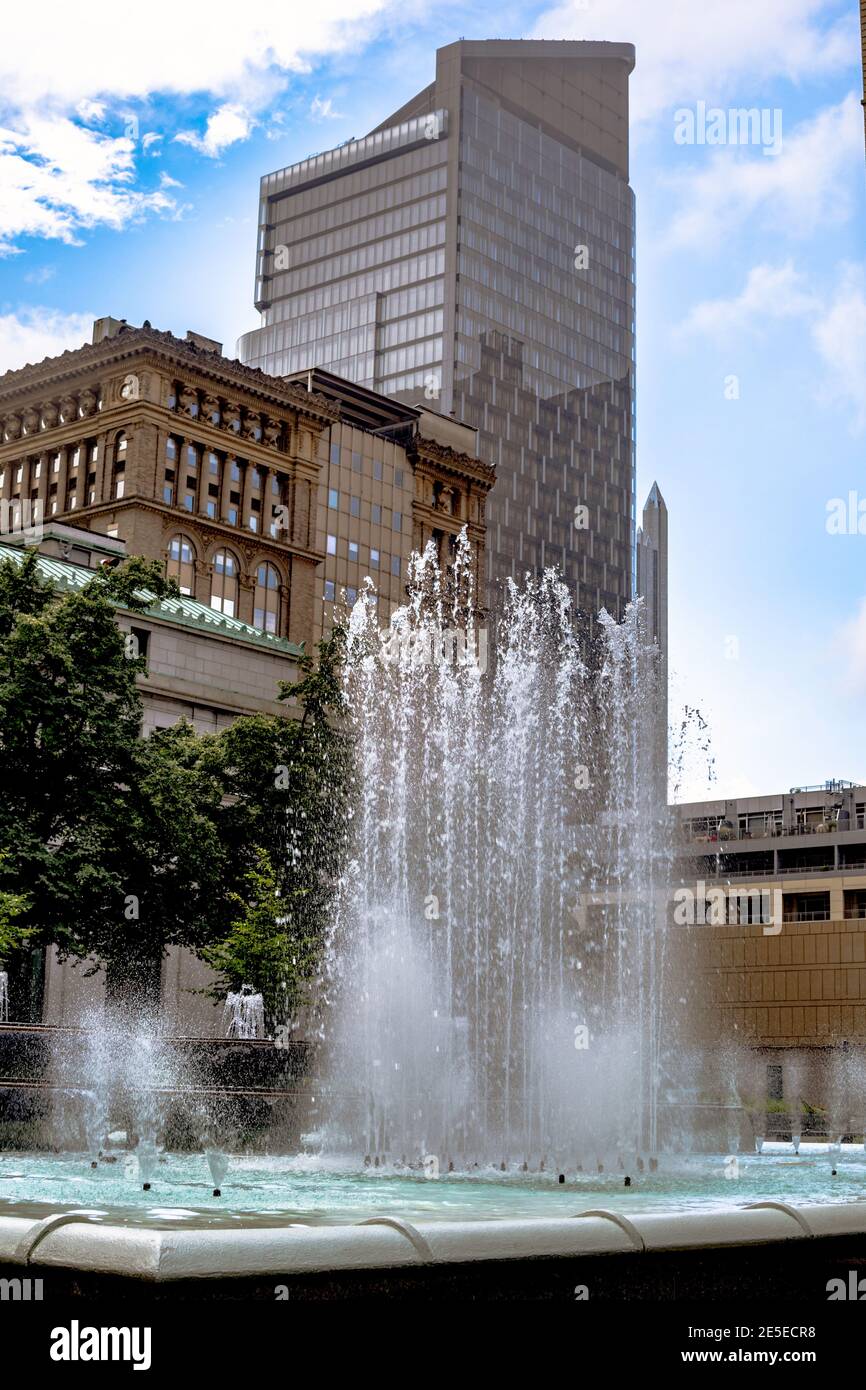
{"x": 267, "y": 600}
{"x": 118, "y": 479}
{"x": 224, "y": 584}
{"x": 181, "y": 564}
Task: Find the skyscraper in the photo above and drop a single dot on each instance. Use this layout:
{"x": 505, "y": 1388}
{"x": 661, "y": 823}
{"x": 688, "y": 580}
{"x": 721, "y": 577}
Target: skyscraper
{"x": 475, "y": 254}
{"x": 652, "y": 587}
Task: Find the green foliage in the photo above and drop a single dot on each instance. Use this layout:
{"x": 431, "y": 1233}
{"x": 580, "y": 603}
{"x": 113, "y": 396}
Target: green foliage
{"x": 116, "y": 847}
{"x": 267, "y": 945}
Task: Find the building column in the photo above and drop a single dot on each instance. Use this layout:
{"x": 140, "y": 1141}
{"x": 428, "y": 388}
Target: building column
{"x": 226, "y": 488}
{"x": 61, "y": 479}
{"x": 201, "y": 499}
{"x": 247, "y": 497}
{"x": 44, "y": 482}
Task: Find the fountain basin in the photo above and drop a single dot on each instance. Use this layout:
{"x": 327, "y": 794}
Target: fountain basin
{"x": 293, "y": 1228}
{"x": 770, "y": 1250}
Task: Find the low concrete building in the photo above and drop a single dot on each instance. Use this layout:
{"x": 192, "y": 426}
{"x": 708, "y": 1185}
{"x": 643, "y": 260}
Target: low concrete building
{"x": 782, "y": 975}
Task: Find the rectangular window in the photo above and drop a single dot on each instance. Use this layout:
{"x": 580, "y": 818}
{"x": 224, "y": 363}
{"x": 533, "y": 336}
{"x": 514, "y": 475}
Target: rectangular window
{"x": 376, "y": 514}
{"x": 353, "y": 550}
{"x": 335, "y": 455}
{"x": 398, "y": 477}
{"x": 333, "y": 498}
{"x": 254, "y": 523}
{"x": 355, "y": 506}
{"x": 118, "y": 488}
{"x": 329, "y": 591}
{"x": 377, "y": 470}
{"x": 211, "y": 510}
{"x": 356, "y": 461}
{"x": 395, "y": 565}
{"x": 233, "y": 516}
{"x": 351, "y": 596}
{"x": 332, "y": 545}
{"x": 397, "y": 523}
{"x": 374, "y": 559}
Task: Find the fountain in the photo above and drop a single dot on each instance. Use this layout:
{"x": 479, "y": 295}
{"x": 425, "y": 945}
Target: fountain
{"x": 497, "y": 964}
{"x": 244, "y": 1014}
{"x": 501, "y": 1004}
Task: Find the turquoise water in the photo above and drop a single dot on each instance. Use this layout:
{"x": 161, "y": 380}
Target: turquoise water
{"x": 273, "y": 1190}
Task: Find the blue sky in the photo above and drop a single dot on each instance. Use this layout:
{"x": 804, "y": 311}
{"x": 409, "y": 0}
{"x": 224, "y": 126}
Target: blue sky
{"x": 129, "y": 165}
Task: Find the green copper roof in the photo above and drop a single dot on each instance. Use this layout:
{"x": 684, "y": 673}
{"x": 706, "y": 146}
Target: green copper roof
{"x": 186, "y": 612}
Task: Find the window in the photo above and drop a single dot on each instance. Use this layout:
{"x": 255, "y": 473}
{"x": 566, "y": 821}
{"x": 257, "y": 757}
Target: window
{"x": 335, "y": 455}
{"x": 329, "y": 591}
{"x": 374, "y": 559}
{"x": 210, "y": 508}
{"x": 236, "y": 472}
{"x": 355, "y": 506}
{"x": 351, "y": 596}
{"x": 332, "y": 545}
{"x": 353, "y": 550}
{"x": 142, "y": 639}
{"x": 397, "y": 523}
{"x": 267, "y": 600}
{"x": 224, "y": 583}
{"x": 233, "y": 516}
{"x": 213, "y": 465}
{"x": 376, "y": 514}
{"x": 377, "y": 470}
{"x": 356, "y": 461}
{"x": 254, "y": 523}
{"x": 333, "y": 498}
{"x": 395, "y": 565}
{"x": 181, "y": 564}
{"x": 55, "y": 464}
{"x": 398, "y": 478}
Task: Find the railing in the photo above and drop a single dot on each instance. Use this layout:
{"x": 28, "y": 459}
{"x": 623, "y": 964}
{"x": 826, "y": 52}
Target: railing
{"x": 802, "y": 870}
{"x": 771, "y": 832}
{"x": 822, "y": 915}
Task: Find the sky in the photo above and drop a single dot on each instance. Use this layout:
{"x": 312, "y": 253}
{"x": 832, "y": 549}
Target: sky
{"x": 130, "y": 157}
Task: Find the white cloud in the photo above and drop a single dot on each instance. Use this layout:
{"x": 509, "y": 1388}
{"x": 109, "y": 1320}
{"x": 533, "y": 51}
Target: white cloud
{"x": 323, "y": 110}
{"x": 225, "y": 126}
{"x": 36, "y": 333}
{"x": 770, "y": 292}
{"x": 61, "y": 78}
{"x": 808, "y": 184}
{"x": 57, "y": 177}
{"x": 202, "y": 46}
{"x": 839, "y": 333}
{"x": 836, "y": 318}
{"x": 687, "y": 51}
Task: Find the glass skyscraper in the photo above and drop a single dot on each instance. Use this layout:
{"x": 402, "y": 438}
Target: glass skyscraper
{"x": 475, "y": 254}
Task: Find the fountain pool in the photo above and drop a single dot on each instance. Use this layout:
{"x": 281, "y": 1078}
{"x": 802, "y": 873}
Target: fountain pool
{"x": 267, "y": 1191}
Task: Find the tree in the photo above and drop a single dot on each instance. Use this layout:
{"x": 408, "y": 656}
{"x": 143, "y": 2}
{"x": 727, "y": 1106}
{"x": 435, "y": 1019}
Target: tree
{"x": 115, "y": 847}
{"x": 288, "y": 784}
{"x": 267, "y": 946}
{"x": 110, "y": 837}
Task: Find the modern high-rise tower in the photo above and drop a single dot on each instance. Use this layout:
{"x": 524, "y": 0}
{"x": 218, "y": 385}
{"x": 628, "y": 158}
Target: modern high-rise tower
{"x": 475, "y": 254}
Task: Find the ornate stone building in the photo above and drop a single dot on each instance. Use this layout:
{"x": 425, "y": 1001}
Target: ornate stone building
{"x": 188, "y": 457}
{"x": 267, "y": 499}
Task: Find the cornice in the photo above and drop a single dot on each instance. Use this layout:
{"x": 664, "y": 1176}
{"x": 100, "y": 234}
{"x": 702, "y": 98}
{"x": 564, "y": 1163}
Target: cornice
{"x": 53, "y": 372}
{"x": 443, "y": 457}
